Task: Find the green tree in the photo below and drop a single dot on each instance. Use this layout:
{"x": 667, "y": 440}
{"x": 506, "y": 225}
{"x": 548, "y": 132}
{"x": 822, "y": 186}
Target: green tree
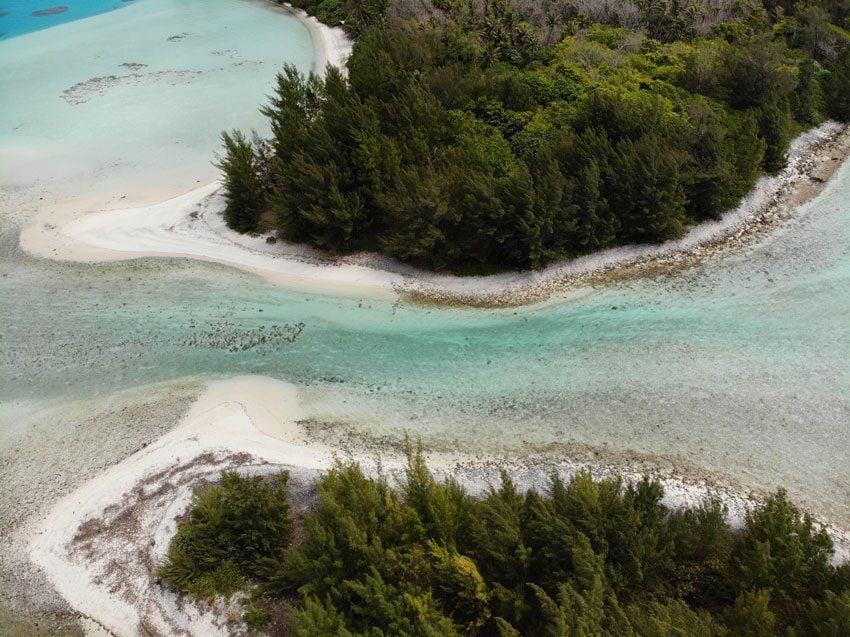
{"x": 702, "y": 544}
{"x": 382, "y": 608}
{"x": 748, "y": 151}
{"x": 775, "y": 128}
{"x": 317, "y": 619}
{"x": 828, "y": 618}
{"x": 755, "y": 73}
{"x": 649, "y": 199}
{"x": 751, "y": 615}
{"x": 807, "y": 101}
{"x": 416, "y": 215}
{"x": 672, "y": 619}
{"x": 784, "y": 552}
{"x": 245, "y": 189}
{"x": 235, "y": 528}
{"x": 835, "y": 87}
{"x": 707, "y": 171}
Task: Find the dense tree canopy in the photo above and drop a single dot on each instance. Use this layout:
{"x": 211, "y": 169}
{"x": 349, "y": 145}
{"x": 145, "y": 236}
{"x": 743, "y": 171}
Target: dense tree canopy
{"x": 233, "y": 529}
{"x": 588, "y": 557}
{"x": 482, "y": 135}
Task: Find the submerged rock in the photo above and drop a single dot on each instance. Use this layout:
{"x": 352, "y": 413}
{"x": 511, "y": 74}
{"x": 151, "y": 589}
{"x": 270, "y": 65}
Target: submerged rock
{"x": 51, "y": 11}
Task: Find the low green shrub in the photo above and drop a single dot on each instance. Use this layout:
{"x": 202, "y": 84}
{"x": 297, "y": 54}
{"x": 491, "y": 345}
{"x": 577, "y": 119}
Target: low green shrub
{"x": 256, "y": 618}
{"x": 233, "y": 529}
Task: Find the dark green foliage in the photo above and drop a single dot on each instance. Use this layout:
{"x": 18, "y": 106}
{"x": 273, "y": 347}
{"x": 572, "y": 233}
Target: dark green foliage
{"x": 234, "y": 528}
{"x": 829, "y": 618}
{"x": 808, "y": 103}
{"x": 588, "y": 558}
{"x": 591, "y": 557}
{"x": 649, "y": 197}
{"x": 783, "y": 552}
{"x": 775, "y": 127}
{"x": 837, "y": 87}
{"x": 245, "y": 181}
{"x": 478, "y": 136}
{"x": 754, "y": 72}
{"x": 748, "y": 152}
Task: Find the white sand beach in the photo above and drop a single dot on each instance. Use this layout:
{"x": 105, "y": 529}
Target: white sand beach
{"x": 332, "y": 45}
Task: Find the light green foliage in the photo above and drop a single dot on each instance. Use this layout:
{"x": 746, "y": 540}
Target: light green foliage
{"x": 224, "y": 580}
{"x": 484, "y": 145}
{"x": 256, "y": 618}
{"x": 751, "y": 615}
{"x": 317, "y": 619}
{"x": 443, "y": 509}
{"x": 673, "y": 619}
{"x": 381, "y": 608}
{"x": 459, "y": 587}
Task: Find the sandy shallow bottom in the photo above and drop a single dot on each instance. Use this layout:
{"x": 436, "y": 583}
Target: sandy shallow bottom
{"x": 57, "y": 446}
{"x": 100, "y": 545}
{"x": 729, "y": 378}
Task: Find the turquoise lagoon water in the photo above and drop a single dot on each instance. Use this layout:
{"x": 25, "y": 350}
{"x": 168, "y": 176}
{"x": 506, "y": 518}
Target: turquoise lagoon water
{"x": 738, "y": 369}
{"x": 22, "y": 16}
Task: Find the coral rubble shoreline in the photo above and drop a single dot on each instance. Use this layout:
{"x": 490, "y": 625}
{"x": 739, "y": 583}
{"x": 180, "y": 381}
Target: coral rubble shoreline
{"x": 814, "y": 157}
{"x": 191, "y": 226}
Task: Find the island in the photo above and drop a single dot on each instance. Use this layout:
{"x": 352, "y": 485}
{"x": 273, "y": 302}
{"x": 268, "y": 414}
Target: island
{"x": 474, "y": 139}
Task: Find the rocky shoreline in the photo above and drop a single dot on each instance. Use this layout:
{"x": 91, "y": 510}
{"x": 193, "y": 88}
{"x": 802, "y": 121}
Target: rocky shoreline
{"x": 814, "y": 158}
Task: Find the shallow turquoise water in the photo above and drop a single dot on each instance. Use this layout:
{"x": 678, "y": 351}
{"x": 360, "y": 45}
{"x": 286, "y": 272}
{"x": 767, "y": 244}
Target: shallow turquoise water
{"x": 738, "y": 369}
{"x": 18, "y": 17}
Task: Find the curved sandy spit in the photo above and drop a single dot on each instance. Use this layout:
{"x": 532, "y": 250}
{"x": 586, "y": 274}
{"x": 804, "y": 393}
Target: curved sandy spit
{"x": 191, "y": 225}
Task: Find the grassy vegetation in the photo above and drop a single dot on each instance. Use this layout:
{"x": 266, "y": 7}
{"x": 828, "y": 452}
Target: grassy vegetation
{"x": 588, "y": 557}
